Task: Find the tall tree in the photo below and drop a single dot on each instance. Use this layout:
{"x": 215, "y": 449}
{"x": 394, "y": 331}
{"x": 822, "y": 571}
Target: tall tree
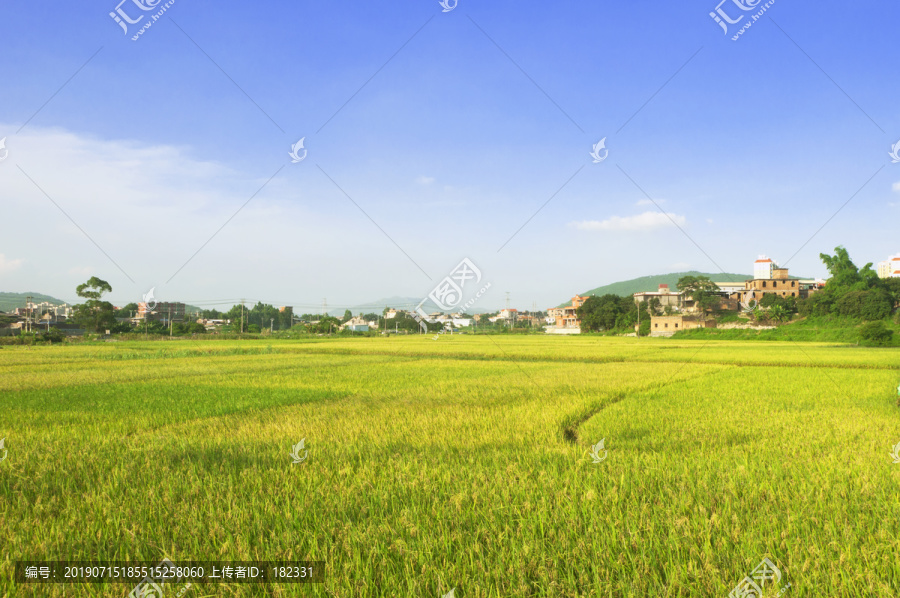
{"x": 94, "y": 314}
{"x": 701, "y": 290}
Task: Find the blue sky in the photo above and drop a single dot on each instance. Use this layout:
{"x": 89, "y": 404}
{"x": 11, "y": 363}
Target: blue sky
{"x": 448, "y": 132}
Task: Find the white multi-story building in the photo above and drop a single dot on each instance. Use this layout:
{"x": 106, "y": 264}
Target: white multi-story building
{"x": 889, "y": 268}
{"x": 762, "y": 268}
{"x": 730, "y": 287}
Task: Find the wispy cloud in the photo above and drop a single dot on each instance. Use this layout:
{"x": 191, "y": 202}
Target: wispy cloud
{"x": 642, "y": 222}
{"x": 81, "y": 270}
{"x": 425, "y": 180}
{"x": 897, "y": 186}
{"x": 8, "y": 265}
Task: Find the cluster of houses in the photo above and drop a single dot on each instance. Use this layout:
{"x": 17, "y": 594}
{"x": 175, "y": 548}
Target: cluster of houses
{"x": 680, "y": 311}
{"x": 36, "y": 317}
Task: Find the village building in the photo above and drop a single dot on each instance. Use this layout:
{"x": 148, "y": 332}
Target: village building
{"x": 889, "y": 268}
{"x": 669, "y": 325}
{"x": 665, "y": 297}
{"x": 164, "y": 311}
{"x": 356, "y": 324}
{"x": 772, "y": 280}
{"x": 566, "y": 317}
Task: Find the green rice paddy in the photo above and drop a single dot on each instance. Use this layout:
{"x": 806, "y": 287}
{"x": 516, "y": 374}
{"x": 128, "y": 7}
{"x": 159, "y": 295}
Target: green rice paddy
{"x": 461, "y": 463}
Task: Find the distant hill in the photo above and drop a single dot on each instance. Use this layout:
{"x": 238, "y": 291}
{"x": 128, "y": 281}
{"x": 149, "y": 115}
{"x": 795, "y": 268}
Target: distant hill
{"x": 651, "y": 283}
{"x": 10, "y": 301}
{"x": 406, "y": 303}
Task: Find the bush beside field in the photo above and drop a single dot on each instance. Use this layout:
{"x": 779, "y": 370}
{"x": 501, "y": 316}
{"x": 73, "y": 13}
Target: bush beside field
{"x": 830, "y": 329}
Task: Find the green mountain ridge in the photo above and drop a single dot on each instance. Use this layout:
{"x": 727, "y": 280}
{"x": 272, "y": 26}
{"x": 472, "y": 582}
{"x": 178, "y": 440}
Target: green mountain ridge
{"x": 10, "y": 301}
{"x": 651, "y": 283}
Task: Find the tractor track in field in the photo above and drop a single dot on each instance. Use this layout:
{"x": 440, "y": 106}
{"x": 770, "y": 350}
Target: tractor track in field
{"x": 569, "y": 426}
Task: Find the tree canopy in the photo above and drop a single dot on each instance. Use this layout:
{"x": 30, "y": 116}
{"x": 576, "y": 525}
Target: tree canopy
{"x": 609, "y": 312}
{"x": 701, "y": 290}
{"x": 851, "y": 291}
{"x": 94, "y": 314}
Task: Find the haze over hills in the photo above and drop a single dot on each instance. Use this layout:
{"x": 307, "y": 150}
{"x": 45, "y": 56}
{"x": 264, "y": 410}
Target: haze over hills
{"x": 651, "y": 283}
{"x": 10, "y": 301}
{"x": 406, "y": 303}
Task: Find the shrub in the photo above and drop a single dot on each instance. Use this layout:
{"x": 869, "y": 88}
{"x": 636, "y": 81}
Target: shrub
{"x": 645, "y": 328}
{"x": 768, "y": 300}
{"x": 54, "y": 335}
{"x": 876, "y": 334}
{"x": 867, "y": 305}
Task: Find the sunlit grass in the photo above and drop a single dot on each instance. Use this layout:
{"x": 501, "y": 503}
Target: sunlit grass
{"x": 459, "y": 463}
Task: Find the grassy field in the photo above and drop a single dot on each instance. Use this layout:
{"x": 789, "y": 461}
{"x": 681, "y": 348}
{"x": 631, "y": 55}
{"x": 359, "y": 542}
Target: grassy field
{"x": 459, "y": 463}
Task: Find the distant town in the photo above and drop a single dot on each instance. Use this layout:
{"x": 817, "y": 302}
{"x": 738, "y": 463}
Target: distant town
{"x": 767, "y": 299}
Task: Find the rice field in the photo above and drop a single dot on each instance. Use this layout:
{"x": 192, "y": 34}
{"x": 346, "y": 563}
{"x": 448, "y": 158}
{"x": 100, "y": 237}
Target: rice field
{"x": 462, "y": 463}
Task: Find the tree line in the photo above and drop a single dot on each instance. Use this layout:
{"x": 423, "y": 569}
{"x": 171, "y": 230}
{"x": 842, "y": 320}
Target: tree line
{"x": 850, "y": 292}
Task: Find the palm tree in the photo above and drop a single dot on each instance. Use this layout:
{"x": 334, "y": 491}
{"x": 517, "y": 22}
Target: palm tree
{"x": 779, "y": 313}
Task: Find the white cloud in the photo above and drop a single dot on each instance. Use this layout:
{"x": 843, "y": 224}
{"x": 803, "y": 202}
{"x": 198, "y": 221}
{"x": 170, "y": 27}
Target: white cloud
{"x": 897, "y": 186}
{"x": 144, "y": 214}
{"x": 642, "y": 222}
{"x": 81, "y": 270}
{"x": 425, "y": 180}
{"x": 8, "y": 265}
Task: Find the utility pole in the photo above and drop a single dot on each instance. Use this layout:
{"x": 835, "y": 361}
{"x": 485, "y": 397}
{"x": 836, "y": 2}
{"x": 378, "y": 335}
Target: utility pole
{"x": 639, "y": 322}
{"x": 242, "y": 316}
{"x": 170, "y": 321}
{"x": 28, "y": 310}
{"x": 271, "y": 325}
{"x": 508, "y": 314}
